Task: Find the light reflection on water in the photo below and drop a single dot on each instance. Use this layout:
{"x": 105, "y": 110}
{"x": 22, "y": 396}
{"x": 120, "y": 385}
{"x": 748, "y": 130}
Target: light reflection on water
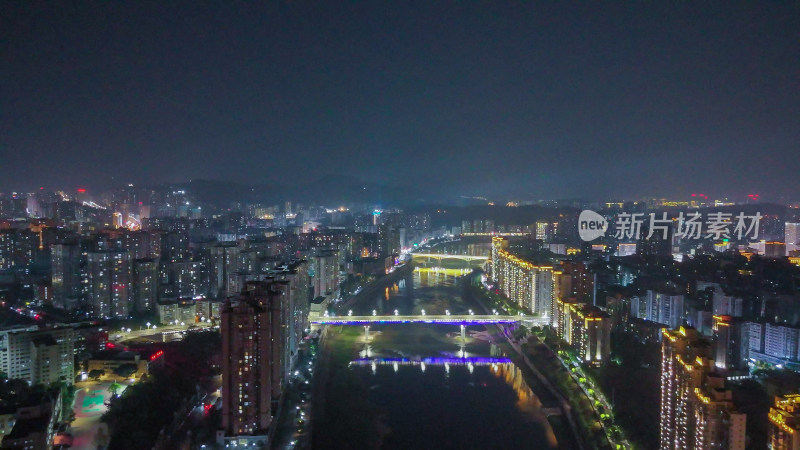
{"x": 456, "y": 406}
{"x": 437, "y": 390}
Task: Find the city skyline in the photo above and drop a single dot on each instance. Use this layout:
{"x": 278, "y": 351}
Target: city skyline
{"x": 323, "y": 225}
{"x": 542, "y": 101}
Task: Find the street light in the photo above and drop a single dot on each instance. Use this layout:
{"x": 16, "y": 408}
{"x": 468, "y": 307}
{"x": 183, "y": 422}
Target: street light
{"x": 374, "y": 313}
{"x": 148, "y": 325}
{"x": 396, "y": 312}
{"x": 423, "y": 312}
{"x": 447, "y": 312}
{"x": 350, "y": 313}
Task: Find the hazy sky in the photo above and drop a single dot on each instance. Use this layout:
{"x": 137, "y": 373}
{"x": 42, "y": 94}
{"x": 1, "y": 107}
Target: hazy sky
{"x": 522, "y": 98}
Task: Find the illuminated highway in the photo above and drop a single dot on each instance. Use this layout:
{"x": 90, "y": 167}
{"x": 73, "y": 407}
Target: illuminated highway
{"x": 157, "y": 333}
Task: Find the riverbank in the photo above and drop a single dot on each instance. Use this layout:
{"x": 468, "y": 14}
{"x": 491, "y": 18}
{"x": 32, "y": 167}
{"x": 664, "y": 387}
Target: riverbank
{"x": 373, "y": 288}
{"x": 576, "y": 434}
{"x": 591, "y": 410}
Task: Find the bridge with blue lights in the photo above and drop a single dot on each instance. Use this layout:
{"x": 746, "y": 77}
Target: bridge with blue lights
{"x": 438, "y": 361}
{"x": 449, "y": 319}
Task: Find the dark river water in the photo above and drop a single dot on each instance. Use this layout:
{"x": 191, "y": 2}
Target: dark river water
{"x": 434, "y": 389}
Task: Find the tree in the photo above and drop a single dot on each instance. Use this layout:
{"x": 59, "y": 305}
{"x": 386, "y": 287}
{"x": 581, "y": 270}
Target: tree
{"x": 114, "y": 388}
{"x": 126, "y": 370}
{"x": 520, "y": 332}
{"x": 95, "y": 374}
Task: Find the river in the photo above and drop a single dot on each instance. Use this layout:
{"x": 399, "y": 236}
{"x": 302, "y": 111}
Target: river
{"x": 423, "y": 385}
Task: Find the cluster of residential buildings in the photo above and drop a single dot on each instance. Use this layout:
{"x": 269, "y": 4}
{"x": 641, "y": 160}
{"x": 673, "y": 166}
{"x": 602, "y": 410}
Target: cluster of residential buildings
{"x": 71, "y": 263}
{"x": 697, "y": 410}
{"x": 708, "y": 334}
{"x": 560, "y": 292}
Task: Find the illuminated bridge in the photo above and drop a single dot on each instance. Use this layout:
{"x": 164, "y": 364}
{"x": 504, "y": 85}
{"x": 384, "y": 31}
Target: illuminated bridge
{"x": 449, "y": 256}
{"x": 475, "y": 361}
{"x": 465, "y": 319}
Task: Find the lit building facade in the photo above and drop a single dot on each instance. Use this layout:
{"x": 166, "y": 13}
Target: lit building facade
{"x": 576, "y": 281}
{"x": 784, "y": 423}
{"x": 586, "y": 328}
{"x": 38, "y": 356}
{"x": 696, "y": 410}
{"x": 659, "y": 307}
{"x": 774, "y": 344}
{"x": 528, "y": 285}
{"x": 792, "y": 236}
{"x": 108, "y": 284}
{"x": 248, "y": 355}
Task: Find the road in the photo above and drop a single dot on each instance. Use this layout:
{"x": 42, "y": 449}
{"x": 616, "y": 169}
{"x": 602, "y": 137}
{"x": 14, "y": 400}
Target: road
{"x": 157, "y": 334}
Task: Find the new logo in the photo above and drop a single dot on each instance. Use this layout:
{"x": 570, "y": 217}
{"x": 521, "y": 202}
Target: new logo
{"x": 591, "y": 225}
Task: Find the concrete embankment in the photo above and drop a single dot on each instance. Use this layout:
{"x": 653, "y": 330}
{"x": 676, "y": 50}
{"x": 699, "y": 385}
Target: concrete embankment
{"x": 375, "y": 287}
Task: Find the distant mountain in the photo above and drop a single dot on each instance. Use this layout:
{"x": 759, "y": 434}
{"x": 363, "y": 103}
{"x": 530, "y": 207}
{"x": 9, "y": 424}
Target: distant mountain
{"x": 331, "y": 190}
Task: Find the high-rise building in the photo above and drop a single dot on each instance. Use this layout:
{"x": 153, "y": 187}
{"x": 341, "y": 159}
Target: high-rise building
{"x": 294, "y": 280}
{"x": 186, "y": 277}
{"x": 325, "y": 273}
{"x": 108, "y": 283}
{"x": 576, "y": 281}
{"x": 221, "y": 261}
{"x": 727, "y": 305}
{"x": 145, "y": 284}
{"x": 17, "y": 248}
{"x": 585, "y": 328}
{"x": 661, "y": 307}
{"x": 792, "y": 236}
{"x": 66, "y": 274}
{"x": 784, "y": 423}
{"x": 38, "y": 356}
{"x": 696, "y": 409}
{"x": 546, "y": 231}
{"x": 175, "y": 246}
{"x": 730, "y": 352}
{"x": 249, "y": 327}
{"x": 659, "y": 244}
{"x": 773, "y": 344}
{"x": 389, "y": 240}
{"x": 526, "y": 284}
{"x": 142, "y": 244}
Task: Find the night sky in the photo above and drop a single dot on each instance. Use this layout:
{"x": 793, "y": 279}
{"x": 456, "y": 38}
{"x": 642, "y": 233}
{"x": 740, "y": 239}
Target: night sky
{"x": 459, "y": 98}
